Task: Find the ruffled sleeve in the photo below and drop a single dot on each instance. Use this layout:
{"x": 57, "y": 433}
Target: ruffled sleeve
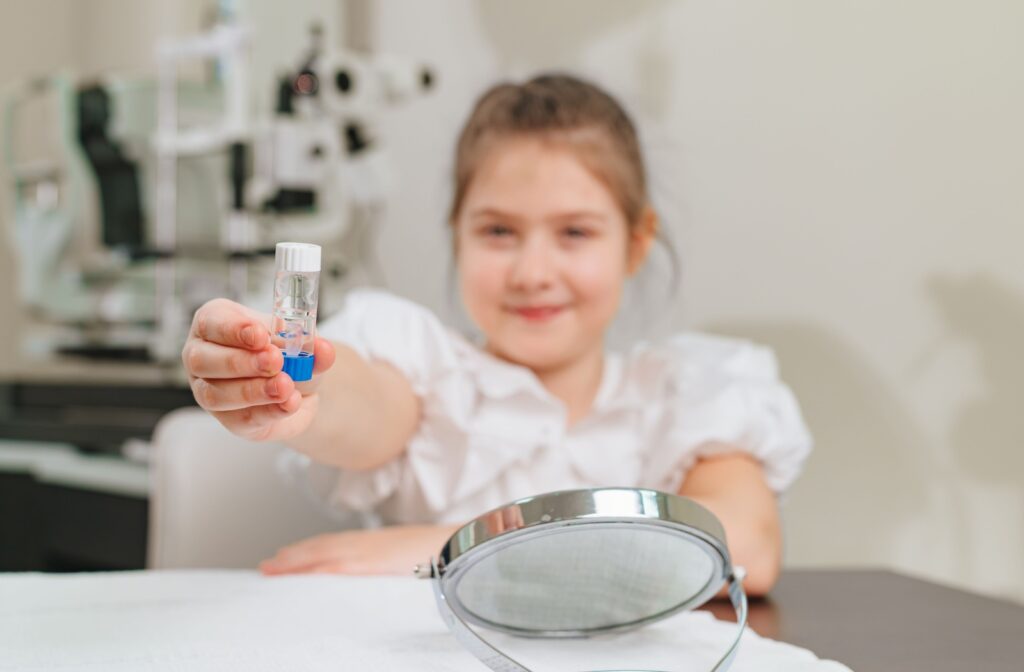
{"x": 723, "y": 394}
{"x": 385, "y": 328}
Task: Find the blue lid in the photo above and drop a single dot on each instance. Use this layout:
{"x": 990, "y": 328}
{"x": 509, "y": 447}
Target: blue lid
{"x": 299, "y": 367}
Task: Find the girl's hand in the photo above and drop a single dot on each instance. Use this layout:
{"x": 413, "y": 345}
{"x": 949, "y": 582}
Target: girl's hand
{"x": 388, "y": 550}
{"x": 235, "y": 373}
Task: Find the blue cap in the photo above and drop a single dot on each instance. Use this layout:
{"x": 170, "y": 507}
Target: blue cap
{"x": 299, "y": 367}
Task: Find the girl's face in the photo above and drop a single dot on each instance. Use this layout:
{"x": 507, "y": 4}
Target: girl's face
{"x": 543, "y": 251}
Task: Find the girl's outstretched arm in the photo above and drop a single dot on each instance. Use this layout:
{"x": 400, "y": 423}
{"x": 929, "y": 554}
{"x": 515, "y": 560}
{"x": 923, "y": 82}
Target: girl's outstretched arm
{"x": 732, "y": 485}
{"x": 364, "y": 414}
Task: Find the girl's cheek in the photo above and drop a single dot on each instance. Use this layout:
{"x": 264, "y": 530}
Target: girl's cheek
{"x": 481, "y": 270}
{"x": 482, "y": 281}
{"x": 598, "y": 282}
{"x": 599, "y": 273}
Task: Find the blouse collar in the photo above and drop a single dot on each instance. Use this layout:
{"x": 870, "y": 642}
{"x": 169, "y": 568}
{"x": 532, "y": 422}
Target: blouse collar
{"x": 498, "y": 378}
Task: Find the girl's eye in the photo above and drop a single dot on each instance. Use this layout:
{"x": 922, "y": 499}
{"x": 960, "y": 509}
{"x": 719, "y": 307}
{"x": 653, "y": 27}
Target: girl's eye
{"x": 497, "y": 231}
{"x": 575, "y": 232}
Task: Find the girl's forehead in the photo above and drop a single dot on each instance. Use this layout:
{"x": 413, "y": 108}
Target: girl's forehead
{"x": 519, "y": 174}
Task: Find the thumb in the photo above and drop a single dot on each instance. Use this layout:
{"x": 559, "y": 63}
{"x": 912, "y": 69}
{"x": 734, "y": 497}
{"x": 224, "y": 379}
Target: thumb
{"x": 323, "y": 359}
{"x": 323, "y": 356}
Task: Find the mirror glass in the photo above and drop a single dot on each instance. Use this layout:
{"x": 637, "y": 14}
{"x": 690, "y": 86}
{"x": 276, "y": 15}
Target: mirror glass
{"x": 585, "y": 577}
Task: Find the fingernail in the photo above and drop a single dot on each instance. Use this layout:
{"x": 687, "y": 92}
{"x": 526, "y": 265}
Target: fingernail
{"x": 263, "y": 362}
{"x": 272, "y": 389}
{"x": 249, "y": 336}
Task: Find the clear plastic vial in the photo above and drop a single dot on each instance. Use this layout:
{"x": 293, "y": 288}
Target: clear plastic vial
{"x": 295, "y": 296}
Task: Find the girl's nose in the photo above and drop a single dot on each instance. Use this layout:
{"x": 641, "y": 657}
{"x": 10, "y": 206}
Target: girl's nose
{"x": 533, "y": 268}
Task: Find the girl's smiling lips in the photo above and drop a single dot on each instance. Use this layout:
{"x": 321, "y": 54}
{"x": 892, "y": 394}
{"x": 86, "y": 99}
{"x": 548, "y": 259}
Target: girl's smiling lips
{"x": 536, "y": 313}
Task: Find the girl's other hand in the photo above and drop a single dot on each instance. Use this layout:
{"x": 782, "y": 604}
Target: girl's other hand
{"x": 388, "y": 550}
{"x": 235, "y": 373}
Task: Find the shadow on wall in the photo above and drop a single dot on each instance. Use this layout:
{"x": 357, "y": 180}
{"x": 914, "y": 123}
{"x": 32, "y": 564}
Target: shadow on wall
{"x": 988, "y": 434}
{"x": 868, "y": 476}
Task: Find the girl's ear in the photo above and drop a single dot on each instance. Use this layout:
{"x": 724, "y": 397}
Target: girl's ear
{"x": 641, "y": 237}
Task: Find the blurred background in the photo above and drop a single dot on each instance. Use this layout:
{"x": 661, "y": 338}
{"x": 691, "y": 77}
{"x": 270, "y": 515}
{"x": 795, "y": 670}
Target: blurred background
{"x": 841, "y": 180}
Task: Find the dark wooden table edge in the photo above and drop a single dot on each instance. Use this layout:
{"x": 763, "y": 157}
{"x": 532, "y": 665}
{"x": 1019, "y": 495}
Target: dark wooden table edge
{"x": 887, "y": 620}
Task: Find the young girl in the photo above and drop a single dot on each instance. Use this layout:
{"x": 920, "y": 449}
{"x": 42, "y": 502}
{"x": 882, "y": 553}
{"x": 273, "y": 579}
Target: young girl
{"x": 550, "y": 216}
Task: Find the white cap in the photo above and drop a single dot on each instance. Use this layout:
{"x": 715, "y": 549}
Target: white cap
{"x": 297, "y": 257}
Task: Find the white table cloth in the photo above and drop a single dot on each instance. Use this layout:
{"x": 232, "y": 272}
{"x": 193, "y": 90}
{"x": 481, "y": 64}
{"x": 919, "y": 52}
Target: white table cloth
{"x": 220, "y": 621}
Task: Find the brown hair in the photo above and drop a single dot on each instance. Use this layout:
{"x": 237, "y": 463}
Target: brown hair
{"x": 563, "y": 109}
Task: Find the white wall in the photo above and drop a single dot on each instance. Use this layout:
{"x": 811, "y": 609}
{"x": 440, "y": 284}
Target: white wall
{"x": 843, "y": 180}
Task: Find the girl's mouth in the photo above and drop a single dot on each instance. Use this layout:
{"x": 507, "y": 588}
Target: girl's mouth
{"x": 537, "y": 313}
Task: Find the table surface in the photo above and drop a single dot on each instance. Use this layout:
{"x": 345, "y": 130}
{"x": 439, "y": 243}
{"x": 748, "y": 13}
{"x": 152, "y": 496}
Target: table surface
{"x": 871, "y": 621}
{"x": 238, "y": 621}
{"x": 880, "y": 621}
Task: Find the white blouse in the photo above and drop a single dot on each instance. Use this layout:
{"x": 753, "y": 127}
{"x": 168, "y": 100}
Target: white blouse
{"x": 491, "y": 433}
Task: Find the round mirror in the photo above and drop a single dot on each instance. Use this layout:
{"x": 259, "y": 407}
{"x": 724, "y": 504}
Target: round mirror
{"x": 581, "y": 562}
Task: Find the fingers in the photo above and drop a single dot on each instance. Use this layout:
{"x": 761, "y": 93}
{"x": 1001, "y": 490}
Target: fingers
{"x": 332, "y": 553}
{"x": 323, "y": 356}
{"x": 257, "y": 422}
{"x": 307, "y": 555}
{"x": 205, "y": 359}
{"x": 323, "y": 360}
{"x": 387, "y": 551}
{"x": 352, "y": 566}
{"x": 269, "y": 568}
{"x": 231, "y": 324}
{"x": 242, "y": 393}
{"x": 236, "y": 373}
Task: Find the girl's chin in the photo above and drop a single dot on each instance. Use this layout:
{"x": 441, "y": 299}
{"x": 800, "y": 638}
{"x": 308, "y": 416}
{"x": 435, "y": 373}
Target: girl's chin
{"x": 540, "y": 355}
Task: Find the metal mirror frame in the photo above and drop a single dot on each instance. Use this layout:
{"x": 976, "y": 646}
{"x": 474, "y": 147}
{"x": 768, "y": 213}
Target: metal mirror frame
{"x": 551, "y": 513}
